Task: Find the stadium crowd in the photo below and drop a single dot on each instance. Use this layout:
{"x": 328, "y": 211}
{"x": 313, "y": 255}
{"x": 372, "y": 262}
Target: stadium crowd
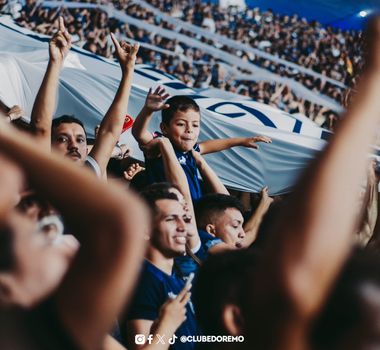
{"x": 328, "y": 51}
{"x": 177, "y": 262}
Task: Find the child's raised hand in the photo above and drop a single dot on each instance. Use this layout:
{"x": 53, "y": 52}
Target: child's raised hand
{"x": 251, "y": 141}
{"x": 155, "y": 101}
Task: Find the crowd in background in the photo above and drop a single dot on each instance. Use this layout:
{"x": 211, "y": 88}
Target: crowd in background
{"x": 328, "y": 51}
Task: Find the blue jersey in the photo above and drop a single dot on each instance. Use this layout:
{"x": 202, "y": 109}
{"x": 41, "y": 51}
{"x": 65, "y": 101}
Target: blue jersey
{"x": 156, "y": 173}
{"x": 187, "y": 264}
{"x": 153, "y": 290}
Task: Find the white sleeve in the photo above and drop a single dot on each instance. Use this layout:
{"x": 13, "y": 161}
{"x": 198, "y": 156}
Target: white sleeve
{"x": 93, "y": 164}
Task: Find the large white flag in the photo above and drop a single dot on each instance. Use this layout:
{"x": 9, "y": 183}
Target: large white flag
{"x": 88, "y": 84}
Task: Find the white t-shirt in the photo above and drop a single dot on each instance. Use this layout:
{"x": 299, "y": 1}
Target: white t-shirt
{"x": 93, "y": 164}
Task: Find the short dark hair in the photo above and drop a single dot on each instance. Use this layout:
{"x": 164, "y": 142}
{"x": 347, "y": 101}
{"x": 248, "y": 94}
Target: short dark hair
{"x": 66, "y": 119}
{"x": 178, "y": 103}
{"x": 152, "y": 194}
{"x": 222, "y": 279}
{"x": 210, "y": 206}
{"x": 7, "y": 256}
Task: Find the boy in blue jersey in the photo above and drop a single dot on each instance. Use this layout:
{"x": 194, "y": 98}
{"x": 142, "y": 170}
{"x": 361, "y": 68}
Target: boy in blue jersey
{"x": 181, "y": 125}
{"x": 159, "y": 279}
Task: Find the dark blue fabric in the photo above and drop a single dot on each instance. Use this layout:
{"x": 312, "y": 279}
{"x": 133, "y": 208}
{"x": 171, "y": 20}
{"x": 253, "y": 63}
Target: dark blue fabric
{"x": 153, "y": 289}
{"x": 207, "y": 241}
{"x": 155, "y": 170}
{"x": 338, "y": 13}
{"x": 187, "y": 264}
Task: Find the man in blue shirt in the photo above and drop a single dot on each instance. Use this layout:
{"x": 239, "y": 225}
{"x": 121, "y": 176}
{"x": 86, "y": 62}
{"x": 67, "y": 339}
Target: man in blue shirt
{"x": 159, "y": 279}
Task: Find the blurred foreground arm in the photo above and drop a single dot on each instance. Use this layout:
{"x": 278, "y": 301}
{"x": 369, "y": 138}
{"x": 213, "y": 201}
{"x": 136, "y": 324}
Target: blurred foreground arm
{"x": 110, "y": 232}
{"x": 314, "y": 231}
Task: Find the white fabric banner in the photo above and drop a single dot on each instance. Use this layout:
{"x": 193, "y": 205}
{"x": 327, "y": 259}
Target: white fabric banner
{"x": 88, "y": 84}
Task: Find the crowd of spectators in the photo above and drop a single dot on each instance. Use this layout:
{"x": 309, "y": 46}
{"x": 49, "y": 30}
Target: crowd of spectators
{"x": 179, "y": 263}
{"x": 329, "y": 51}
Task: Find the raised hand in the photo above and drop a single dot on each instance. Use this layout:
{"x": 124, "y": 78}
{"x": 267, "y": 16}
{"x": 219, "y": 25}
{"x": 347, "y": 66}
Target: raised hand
{"x": 251, "y": 141}
{"x": 265, "y": 196}
{"x": 60, "y": 43}
{"x": 125, "y": 53}
{"x": 15, "y": 112}
{"x": 173, "y": 312}
{"x": 155, "y": 101}
{"x": 132, "y": 170}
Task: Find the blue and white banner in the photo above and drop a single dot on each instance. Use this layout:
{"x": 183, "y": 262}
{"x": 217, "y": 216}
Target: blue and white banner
{"x": 88, "y": 84}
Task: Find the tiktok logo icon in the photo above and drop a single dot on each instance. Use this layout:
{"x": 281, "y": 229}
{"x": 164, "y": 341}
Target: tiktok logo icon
{"x": 172, "y": 339}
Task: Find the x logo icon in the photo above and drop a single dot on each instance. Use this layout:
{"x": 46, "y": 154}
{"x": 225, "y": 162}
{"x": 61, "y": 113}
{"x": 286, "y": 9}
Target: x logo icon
{"x": 161, "y": 339}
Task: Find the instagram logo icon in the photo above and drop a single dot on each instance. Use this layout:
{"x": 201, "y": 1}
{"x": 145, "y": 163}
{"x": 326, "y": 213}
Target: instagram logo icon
{"x": 140, "y": 339}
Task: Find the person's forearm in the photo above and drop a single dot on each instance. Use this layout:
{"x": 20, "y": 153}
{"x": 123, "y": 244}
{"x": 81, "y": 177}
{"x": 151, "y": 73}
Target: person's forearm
{"x": 251, "y": 227}
{"x": 211, "y": 146}
{"x": 112, "y": 124}
{"x": 322, "y": 216}
{"x": 173, "y": 170}
{"x": 110, "y": 231}
{"x": 114, "y": 118}
{"x": 175, "y": 174}
{"x": 140, "y": 127}
{"x": 210, "y": 177}
{"x": 44, "y": 105}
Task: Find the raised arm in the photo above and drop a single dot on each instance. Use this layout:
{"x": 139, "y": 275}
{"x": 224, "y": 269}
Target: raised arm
{"x": 110, "y": 231}
{"x": 44, "y": 105}
{"x": 111, "y": 125}
{"x": 315, "y": 229}
{"x": 251, "y": 226}
{"x": 175, "y": 174}
{"x": 208, "y": 175}
{"x": 155, "y": 101}
{"x": 211, "y": 146}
